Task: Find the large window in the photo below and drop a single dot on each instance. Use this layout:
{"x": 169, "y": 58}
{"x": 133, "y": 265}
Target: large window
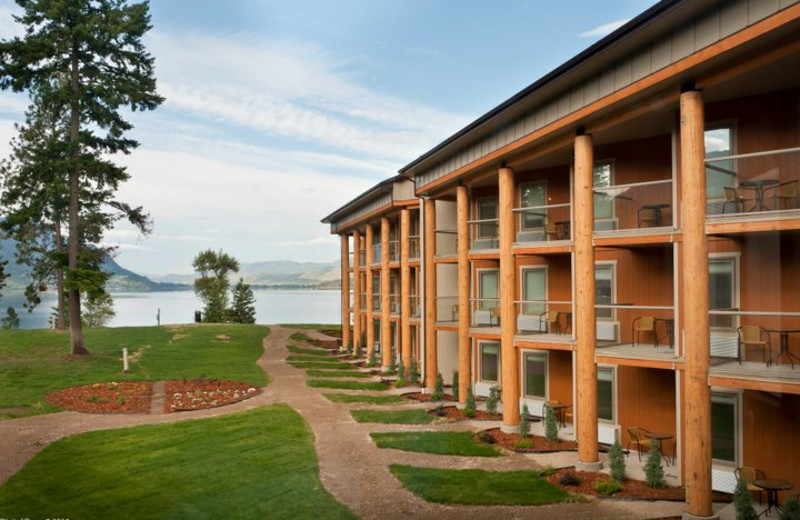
{"x": 536, "y": 375}
{"x": 487, "y": 289}
{"x": 722, "y": 290}
{"x": 534, "y": 289}
{"x": 603, "y": 177}
{"x": 723, "y": 427}
{"x": 605, "y": 394}
{"x": 533, "y": 195}
{"x": 604, "y": 287}
{"x": 719, "y": 143}
{"x": 490, "y": 361}
{"x": 487, "y": 210}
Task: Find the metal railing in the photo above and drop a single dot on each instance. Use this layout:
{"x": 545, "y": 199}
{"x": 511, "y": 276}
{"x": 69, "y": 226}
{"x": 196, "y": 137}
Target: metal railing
{"x": 629, "y": 323}
{"x": 447, "y": 309}
{"x": 416, "y": 308}
{"x": 543, "y": 316}
{"x": 484, "y": 312}
{"x": 414, "y": 250}
{"x": 771, "y": 337}
{"x": 543, "y": 223}
{"x": 636, "y": 205}
{"x": 484, "y": 234}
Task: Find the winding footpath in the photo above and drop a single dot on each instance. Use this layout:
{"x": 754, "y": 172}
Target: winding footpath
{"x": 352, "y": 468}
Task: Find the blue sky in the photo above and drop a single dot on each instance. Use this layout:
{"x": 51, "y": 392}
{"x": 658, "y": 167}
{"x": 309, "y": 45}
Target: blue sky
{"x": 279, "y": 112}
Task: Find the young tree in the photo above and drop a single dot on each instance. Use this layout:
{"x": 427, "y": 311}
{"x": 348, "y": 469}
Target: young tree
{"x": 616, "y": 461}
{"x": 524, "y": 422}
{"x": 243, "y": 308}
{"x": 470, "y": 407}
{"x": 550, "y": 424}
{"x": 98, "y": 310}
{"x": 86, "y": 57}
{"x": 11, "y": 320}
{"x": 438, "y": 388}
{"x": 492, "y": 400}
{"x": 212, "y": 286}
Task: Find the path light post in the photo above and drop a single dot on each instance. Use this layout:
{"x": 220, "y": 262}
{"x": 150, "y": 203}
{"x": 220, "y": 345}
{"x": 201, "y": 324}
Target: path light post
{"x": 125, "y": 367}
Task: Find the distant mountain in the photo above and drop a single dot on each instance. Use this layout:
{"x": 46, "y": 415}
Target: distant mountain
{"x": 280, "y": 274}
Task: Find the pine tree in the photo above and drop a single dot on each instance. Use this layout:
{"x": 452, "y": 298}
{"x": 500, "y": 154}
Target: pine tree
{"x": 243, "y": 307}
{"x": 470, "y": 406}
{"x": 616, "y": 461}
{"x": 455, "y": 385}
{"x": 401, "y": 381}
{"x": 525, "y": 422}
{"x": 392, "y": 361}
{"x": 743, "y": 502}
{"x": 413, "y": 373}
{"x": 550, "y": 425}
{"x": 653, "y": 470}
{"x": 86, "y": 58}
{"x": 791, "y": 509}
{"x": 491, "y": 401}
{"x": 438, "y": 388}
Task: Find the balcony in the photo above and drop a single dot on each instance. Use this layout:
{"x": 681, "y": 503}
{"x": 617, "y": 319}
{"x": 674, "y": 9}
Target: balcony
{"x": 447, "y": 310}
{"x": 376, "y": 254}
{"x": 446, "y": 242}
{"x": 631, "y": 331}
{"x": 376, "y": 301}
{"x": 414, "y": 250}
{"x": 362, "y": 258}
{"x": 545, "y": 321}
{"x": 642, "y": 207}
{"x": 542, "y": 223}
{"x": 394, "y": 251}
{"x": 484, "y": 234}
{"x": 484, "y": 313}
{"x": 363, "y": 301}
{"x": 416, "y": 308}
{"x": 394, "y": 303}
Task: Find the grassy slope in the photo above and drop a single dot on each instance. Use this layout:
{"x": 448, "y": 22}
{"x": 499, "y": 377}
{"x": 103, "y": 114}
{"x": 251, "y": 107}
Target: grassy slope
{"x": 346, "y": 385}
{"x": 256, "y": 464}
{"x": 392, "y": 416}
{"x": 442, "y": 443}
{"x": 371, "y": 399}
{"x": 35, "y": 362}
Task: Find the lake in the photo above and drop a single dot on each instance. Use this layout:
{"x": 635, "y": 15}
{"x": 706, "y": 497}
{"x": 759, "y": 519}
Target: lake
{"x": 140, "y": 309}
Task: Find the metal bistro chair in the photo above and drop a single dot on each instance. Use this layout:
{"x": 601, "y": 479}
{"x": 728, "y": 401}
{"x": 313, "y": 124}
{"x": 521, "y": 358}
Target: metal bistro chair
{"x": 785, "y": 192}
{"x": 636, "y": 436}
{"x": 749, "y": 475}
{"x": 753, "y": 335}
{"x": 644, "y": 324}
{"x": 550, "y": 320}
{"x": 732, "y": 197}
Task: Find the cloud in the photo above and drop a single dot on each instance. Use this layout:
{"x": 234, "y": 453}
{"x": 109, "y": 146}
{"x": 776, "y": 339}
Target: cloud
{"x": 605, "y": 29}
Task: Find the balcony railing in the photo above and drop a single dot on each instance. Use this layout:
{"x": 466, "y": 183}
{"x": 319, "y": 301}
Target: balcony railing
{"x": 394, "y": 303}
{"x": 543, "y": 223}
{"x": 394, "y": 251}
{"x": 447, "y": 309}
{"x": 638, "y": 205}
{"x": 628, "y": 323}
{"x": 376, "y": 254}
{"x": 414, "y": 250}
{"x": 362, "y": 258}
{"x": 484, "y": 234}
{"x": 484, "y": 312}
{"x": 446, "y": 242}
{"x": 363, "y": 301}
{"x": 350, "y": 259}
{"x": 768, "y": 337}
{"x": 753, "y": 183}
{"x": 376, "y": 301}
{"x": 544, "y": 317}
{"x": 416, "y": 308}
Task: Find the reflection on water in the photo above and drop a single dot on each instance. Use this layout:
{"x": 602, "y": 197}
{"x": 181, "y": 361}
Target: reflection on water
{"x": 138, "y": 309}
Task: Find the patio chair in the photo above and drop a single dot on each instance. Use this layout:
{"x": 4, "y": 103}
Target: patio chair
{"x": 550, "y": 320}
{"x": 494, "y": 315}
{"x": 785, "y": 192}
{"x": 732, "y": 197}
{"x": 749, "y": 475}
{"x": 753, "y": 335}
{"x": 552, "y": 231}
{"x": 644, "y": 324}
{"x": 636, "y": 436}
{"x": 648, "y": 216}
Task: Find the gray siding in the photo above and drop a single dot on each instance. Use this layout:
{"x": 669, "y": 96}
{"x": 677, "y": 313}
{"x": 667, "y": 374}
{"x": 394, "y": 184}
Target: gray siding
{"x": 356, "y": 214}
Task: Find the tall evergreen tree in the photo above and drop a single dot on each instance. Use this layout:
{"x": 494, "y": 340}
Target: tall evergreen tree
{"x": 243, "y": 307}
{"x": 86, "y": 57}
{"x": 212, "y": 286}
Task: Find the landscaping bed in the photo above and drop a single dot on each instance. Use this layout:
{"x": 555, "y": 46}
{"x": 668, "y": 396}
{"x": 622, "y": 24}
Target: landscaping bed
{"x": 452, "y": 413}
{"x": 509, "y": 441}
{"x": 426, "y": 398}
{"x": 197, "y": 394}
{"x": 110, "y": 397}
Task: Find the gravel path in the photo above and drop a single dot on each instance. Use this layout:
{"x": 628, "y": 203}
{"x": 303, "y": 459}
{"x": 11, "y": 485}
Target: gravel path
{"x": 351, "y": 467}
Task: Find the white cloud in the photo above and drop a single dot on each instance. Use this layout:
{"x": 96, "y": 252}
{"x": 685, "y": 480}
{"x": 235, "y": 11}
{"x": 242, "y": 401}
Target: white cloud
{"x": 605, "y": 29}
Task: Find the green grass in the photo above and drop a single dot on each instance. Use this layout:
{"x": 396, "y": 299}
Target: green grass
{"x": 478, "y": 487}
{"x": 299, "y": 337}
{"x": 256, "y": 464}
{"x": 441, "y": 443}
{"x": 322, "y": 364}
{"x": 324, "y": 358}
{"x": 392, "y": 416}
{"x": 370, "y": 399}
{"x": 346, "y": 385}
{"x": 311, "y": 326}
{"x": 308, "y": 351}
{"x": 337, "y": 373}
{"x": 36, "y": 362}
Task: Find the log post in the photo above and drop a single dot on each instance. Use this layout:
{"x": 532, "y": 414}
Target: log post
{"x": 405, "y": 289}
{"x": 386, "y": 328}
{"x": 429, "y": 266}
{"x": 509, "y": 358}
{"x": 462, "y": 233}
{"x": 370, "y": 289}
{"x": 356, "y": 290}
{"x": 345, "y": 290}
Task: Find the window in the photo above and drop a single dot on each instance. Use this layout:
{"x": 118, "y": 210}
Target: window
{"x": 723, "y": 427}
{"x": 719, "y": 143}
{"x": 536, "y": 375}
{"x": 490, "y": 358}
{"x": 534, "y": 287}
{"x": 603, "y": 177}
{"x": 604, "y": 281}
{"x": 605, "y": 394}
{"x": 487, "y": 289}
{"x": 487, "y": 210}
{"x": 376, "y": 291}
{"x": 533, "y": 195}
{"x": 722, "y": 290}
{"x": 376, "y": 332}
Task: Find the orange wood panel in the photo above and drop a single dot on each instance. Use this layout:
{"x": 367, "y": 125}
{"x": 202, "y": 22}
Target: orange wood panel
{"x": 646, "y": 399}
{"x": 560, "y": 377}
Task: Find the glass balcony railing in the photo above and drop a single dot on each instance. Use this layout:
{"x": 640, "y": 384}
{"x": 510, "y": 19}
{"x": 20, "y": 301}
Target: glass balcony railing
{"x": 446, "y": 242}
{"x": 394, "y": 303}
{"x": 363, "y": 301}
{"x": 753, "y": 183}
{"x": 771, "y": 338}
{"x": 542, "y": 223}
{"x": 484, "y": 312}
{"x": 416, "y": 308}
{"x": 633, "y": 206}
{"x": 484, "y": 234}
{"x": 394, "y": 251}
{"x": 350, "y": 259}
{"x": 632, "y": 324}
{"x": 447, "y": 309}
{"x": 376, "y": 301}
{"x": 414, "y": 250}
{"x": 544, "y": 317}
{"x": 376, "y": 254}
{"x": 362, "y": 258}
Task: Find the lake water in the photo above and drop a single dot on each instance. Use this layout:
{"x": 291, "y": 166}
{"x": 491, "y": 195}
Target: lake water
{"x": 140, "y": 309}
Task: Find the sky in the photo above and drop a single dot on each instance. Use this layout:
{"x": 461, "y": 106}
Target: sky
{"x": 278, "y": 112}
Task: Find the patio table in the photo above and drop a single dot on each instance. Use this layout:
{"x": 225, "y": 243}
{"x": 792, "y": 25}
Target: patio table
{"x": 559, "y": 409}
{"x": 659, "y": 437}
{"x": 759, "y": 186}
{"x": 772, "y": 487}
{"x": 784, "y": 349}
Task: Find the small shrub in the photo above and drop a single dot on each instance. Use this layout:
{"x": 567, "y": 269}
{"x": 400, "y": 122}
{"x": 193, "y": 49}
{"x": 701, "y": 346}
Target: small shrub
{"x": 550, "y": 425}
{"x": 470, "y": 408}
{"x": 371, "y": 360}
{"x": 455, "y": 384}
{"x": 569, "y": 479}
{"x": 357, "y": 351}
{"x": 653, "y": 470}
{"x": 413, "y": 374}
{"x": 439, "y": 411}
{"x": 491, "y": 401}
{"x": 743, "y": 502}
{"x": 121, "y": 400}
{"x": 524, "y": 422}
{"x": 524, "y": 444}
{"x": 401, "y": 377}
{"x": 607, "y": 487}
{"x": 392, "y": 362}
{"x": 486, "y": 437}
{"x": 791, "y": 510}
{"x": 616, "y": 461}
{"x": 349, "y": 347}
{"x": 438, "y": 389}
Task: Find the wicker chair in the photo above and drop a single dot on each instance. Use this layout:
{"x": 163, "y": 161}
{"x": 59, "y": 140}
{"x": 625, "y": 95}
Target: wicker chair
{"x": 550, "y": 319}
{"x": 644, "y": 324}
{"x": 636, "y": 436}
{"x": 648, "y": 216}
{"x": 785, "y": 193}
{"x": 749, "y": 475}
{"x": 753, "y": 335}
{"x": 732, "y": 197}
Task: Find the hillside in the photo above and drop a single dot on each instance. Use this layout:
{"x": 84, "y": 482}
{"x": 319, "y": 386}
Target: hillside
{"x": 276, "y": 274}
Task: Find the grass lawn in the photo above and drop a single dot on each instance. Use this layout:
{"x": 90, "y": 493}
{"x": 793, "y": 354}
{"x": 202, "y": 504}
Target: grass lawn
{"x": 36, "y": 362}
{"x": 299, "y": 337}
{"x": 337, "y": 373}
{"x": 320, "y": 358}
{"x": 307, "y": 351}
{"x": 478, "y": 487}
{"x": 256, "y": 464}
{"x": 346, "y": 385}
{"x": 371, "y": 399}
{"x": 392, "y": 416}
{"x": 442, "y": 443}
{"x": 312, "y": 326}
{"x": 322, "y": 364}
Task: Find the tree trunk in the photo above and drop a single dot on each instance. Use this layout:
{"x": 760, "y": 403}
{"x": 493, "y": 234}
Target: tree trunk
{"x": 77, "y": 343}
{"x": 60, "y": 317}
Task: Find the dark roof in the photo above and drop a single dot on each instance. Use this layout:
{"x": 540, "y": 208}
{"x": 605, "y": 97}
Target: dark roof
{"x": 381, "y": 187}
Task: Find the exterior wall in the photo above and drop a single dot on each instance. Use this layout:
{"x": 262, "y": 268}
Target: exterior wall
{"x": 560, "y": 377}
{"x": 646, "y": 399}
{"x": 447, "y": 347}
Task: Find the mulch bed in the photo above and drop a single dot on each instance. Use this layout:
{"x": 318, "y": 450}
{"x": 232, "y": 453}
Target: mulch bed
{"x": 426, "y": 398}
{"x": 110, "y": 397}
{"x": 452, "y": 413}
{"x": 198, "y": 394}
{"x": 508, "y": 441}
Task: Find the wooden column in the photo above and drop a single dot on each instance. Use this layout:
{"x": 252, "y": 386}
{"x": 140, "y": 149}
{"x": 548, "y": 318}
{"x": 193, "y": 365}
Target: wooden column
{"x": 405, "y": 289}
{"x": 386, "y": 329}
{"x": 694, "y": 289}
{"x": 462, "y": 233}
{"x": 429, "y": 273}
{"x": 345, "y": 290}
{"x": 585, "y": 315}
{"x": 508, "y": 282}
{"x": 370, "y": 312}
{"x": 356, "y": 290}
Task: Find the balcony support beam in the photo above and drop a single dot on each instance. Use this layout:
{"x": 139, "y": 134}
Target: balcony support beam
{"x": 386, "y": 328}
{"x": 356, "y": 290}
{"x": 694, "y": 289}
{"x": 405, "y": 289}
{"x": 462, "y": 241}
{"x": 345, "y": 290}
{"x": 429, "y": 273}
{"x": 585, "y": 314}
{"x": 370, "y": 237}
{"x": 509, "y": 357}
